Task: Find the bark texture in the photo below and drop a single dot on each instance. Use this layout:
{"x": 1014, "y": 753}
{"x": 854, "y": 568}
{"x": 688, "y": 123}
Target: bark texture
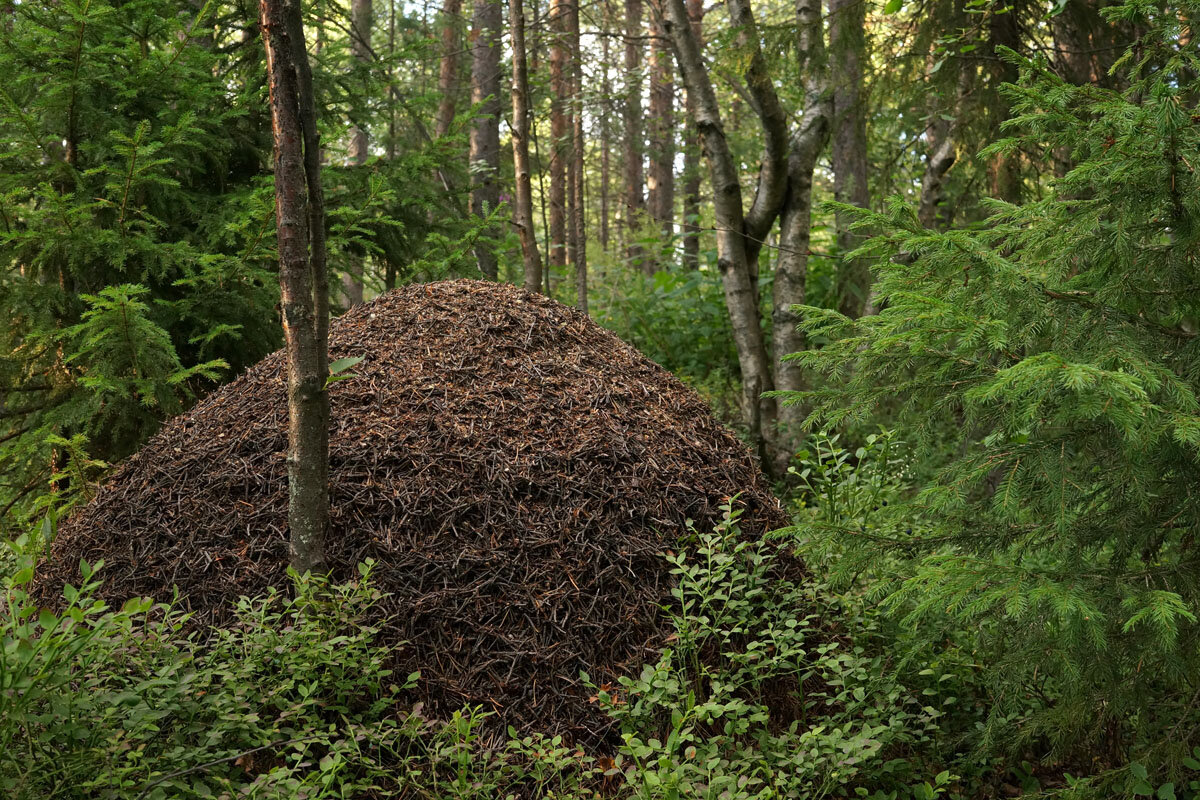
{"x": 948, "y": 88}
{"x": 634, "y": 175}
{"x": 1004, "y": 170}
{"x": 733, "y": 244}
{"x": 485, "y": 128}
{"x": 577, "y": 230}
{"x": 559, "y": 133}
{"x": 661, "y": 180}
{"x": 795, "y": 224}
{"x": 303, "y": 281}
{"x": 691, "y": 158}
{"x": 605, "y": 133}
{"x": 448, "y": 68}
{"x": 523, "y": 207}
{"x": 362, "y": 20}
{"x": 847, "y": 40}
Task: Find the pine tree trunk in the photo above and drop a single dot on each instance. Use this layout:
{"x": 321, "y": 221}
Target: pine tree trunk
{"x": 559, "y": 140}
{"x": 448, "y": 68}
{"x": 523, "y": 209}
{"x": 361, "y": 23}
{"x": 605, "y": 132}
{"x": 303, "y": 281}
{"x": 578, "y": 233}
{"x": 560, "y": 137}
{"x": 391, "y": 94}
{"x": 691, "y": 159}
{"x": 634, "y": 202}
{"x": 485, "y": 128}
{"x": 847, "y": 41}
{"x": 661, "y": 183}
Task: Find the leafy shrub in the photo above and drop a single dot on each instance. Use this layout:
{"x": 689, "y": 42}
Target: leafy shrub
{"x": 293, "y": 700}
{"x": 759, "y": 699}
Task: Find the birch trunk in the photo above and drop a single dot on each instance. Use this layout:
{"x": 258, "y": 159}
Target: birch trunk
{"x": 362, "y": 19}
{"x": 795, "y": 224}
{"x": 737, "y": 278}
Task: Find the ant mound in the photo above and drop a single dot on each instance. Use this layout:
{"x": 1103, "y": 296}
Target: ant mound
{"x": 514, "y": 470}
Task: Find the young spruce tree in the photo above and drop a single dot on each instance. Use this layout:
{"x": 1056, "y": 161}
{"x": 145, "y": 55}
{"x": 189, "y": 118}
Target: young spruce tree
{"x": 1059, "y": 344}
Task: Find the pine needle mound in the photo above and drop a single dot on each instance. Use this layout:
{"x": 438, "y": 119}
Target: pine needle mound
{"x": 514, "y": 470}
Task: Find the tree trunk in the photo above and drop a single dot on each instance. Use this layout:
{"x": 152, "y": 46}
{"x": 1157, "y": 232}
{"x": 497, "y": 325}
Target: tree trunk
{"x": 303, "y": 281}
{"x": 946, "y": 89}
{"x": 485, "y": 129}
{"x": 634, "y": 202}
{"x": 523, "y": 210}
{"x": 560, "y": 137}
{"x": 741, "y": 294}
{"x": 578, "y": 233}
{"x": 661, "y": 183}
{"x": 1004, "y": 170}
{"x": 361, "y": 23}
{"x": 691, "y": 159}
{"x": 847, "y": 40}
{"x": 795, "y": 224}
{"x": 448, "y": 70}
{"x": 605, "y": 132}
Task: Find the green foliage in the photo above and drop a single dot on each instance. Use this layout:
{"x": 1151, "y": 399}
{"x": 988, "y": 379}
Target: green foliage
{"x": 98, "y": 702}
{"x": 137, "y": 228}
{"x": 1058, "y": 341}
{"x": 758, "y": 698}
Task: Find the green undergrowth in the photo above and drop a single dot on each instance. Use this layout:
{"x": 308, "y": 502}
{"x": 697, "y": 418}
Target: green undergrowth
{"x": 758, "y": 696}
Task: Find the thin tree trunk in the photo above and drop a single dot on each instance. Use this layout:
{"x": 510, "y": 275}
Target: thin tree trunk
{"x": 605, "y": 131}
{"x": 1004, "y": 170}
{"x": 485, "y": 129}
{"x": 303, "y": 282}
{"x": 795, "y": 224}
{"x": 691, "y": 159}
{"x": 448, "y": 69}
{"x": 523, "y": 211}
{"x": 559, "y": 136}
{"x": 733, "y": 257}
{"x": 538, "y": 44}
{"x": 634, "y": 202}
{"x": 578, "y": 233}
{"x": 362, "y": 15}
{"x": 847, "y": 37}
{"x": 391, "y": 93}
{"x": 661, "y": 183}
